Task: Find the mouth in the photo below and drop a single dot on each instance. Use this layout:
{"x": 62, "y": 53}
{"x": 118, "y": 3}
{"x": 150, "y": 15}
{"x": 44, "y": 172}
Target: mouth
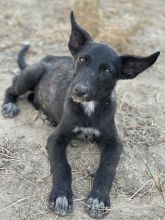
{"x": 78, "y": 99}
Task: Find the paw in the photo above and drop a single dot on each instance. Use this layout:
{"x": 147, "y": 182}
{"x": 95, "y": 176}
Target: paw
{"x": 61, "y": 205}
{"x": 97, "y": 206}
{"x": 9, "y": 110}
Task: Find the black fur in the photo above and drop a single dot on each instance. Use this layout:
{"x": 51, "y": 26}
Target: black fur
{"x": 78, "y": 95}
{"x": 21, "y": 57}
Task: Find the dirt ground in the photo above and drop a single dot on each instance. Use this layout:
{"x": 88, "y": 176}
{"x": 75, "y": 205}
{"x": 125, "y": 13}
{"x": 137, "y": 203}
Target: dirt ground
{"x": 25, "y": 179}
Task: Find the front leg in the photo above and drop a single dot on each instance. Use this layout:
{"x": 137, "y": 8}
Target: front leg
{"x": 60, "y": 199}
{"x": 98, "y": 201}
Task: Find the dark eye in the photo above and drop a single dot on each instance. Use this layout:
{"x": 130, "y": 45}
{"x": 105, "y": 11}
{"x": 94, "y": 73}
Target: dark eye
{"x": 82, "y": 59}
{"x": 107, "y": 71}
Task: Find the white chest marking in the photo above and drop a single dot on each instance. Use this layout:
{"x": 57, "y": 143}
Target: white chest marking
{"x": 86, "y": 133}
{"x": 89, "y": 107}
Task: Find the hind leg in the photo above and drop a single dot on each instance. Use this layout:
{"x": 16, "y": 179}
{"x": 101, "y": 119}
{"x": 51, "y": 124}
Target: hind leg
{"x": 22, "y": 83}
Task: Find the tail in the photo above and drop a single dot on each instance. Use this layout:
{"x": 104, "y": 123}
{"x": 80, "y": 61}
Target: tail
{"x": 21, "y": 56}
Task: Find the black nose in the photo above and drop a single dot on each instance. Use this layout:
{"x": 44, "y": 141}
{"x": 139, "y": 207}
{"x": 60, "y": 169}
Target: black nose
{"x": 80, "y": 90}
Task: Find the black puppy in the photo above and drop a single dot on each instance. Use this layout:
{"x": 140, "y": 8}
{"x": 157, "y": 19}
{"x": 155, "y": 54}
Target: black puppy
{"x": 78, "y": 95}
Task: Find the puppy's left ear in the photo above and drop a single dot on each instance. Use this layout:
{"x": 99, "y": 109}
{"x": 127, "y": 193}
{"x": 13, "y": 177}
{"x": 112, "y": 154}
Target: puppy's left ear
{"x": 131, "y": 66}
{"x": 78, "y": 38}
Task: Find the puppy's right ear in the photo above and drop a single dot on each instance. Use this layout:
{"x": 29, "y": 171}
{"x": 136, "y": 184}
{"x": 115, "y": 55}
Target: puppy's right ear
{"x": 78, "y": 37}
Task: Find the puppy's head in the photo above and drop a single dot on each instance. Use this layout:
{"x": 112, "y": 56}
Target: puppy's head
{"x": 97, "y": 67}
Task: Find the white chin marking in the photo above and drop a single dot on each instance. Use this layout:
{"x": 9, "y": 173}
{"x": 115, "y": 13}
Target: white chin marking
{"x": 89, "y": 107}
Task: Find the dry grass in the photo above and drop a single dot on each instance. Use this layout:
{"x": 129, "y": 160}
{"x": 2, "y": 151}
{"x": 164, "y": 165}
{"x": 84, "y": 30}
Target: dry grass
{"x": 154, "y": 184}
{"x": 158, "y": 181}
{"x": 93, "y": 18}
{"x": 89, "y": 15}
{"x": 143, "y": 131}
{"x": 21, "y": 200}
{"x": 5, "y": 153}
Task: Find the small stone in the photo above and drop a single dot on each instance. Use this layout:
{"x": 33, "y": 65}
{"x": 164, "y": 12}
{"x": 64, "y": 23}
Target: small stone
{"x": 43, "y": 116}
{"x": 1, "y": 164}
{"x": 39, "y": 180}
{"x": 47, "y": 122}
{"x": 21, "y": 137}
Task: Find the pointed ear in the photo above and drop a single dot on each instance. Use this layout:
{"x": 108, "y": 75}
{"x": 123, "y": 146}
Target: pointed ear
{"x": 78, "y": 38}
{"x": 131, "y": 66}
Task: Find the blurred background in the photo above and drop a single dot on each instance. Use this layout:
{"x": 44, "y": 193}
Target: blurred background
{"x": 47, "y": 22}
{"x": 130, "y": 26}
